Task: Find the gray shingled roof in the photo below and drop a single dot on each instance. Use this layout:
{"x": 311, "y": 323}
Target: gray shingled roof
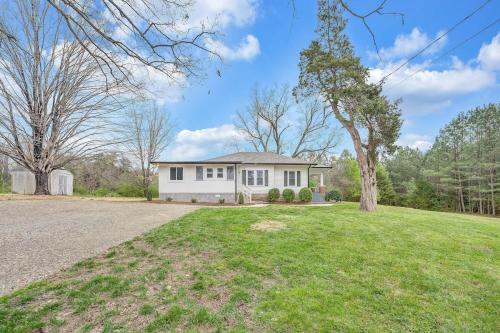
{"x": 258, "y": 158}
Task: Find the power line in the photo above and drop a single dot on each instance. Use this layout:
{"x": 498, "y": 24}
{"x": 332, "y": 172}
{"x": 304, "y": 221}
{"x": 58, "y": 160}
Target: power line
{"x": 450, "y": 50}
{"x": 436, "y": 40}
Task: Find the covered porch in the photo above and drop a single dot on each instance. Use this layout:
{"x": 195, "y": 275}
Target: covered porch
{"x": 317, "y": 177}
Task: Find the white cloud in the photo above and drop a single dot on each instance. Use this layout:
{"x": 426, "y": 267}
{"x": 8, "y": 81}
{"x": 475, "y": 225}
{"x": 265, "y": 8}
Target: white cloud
{"x": 434, "y": 87}
{"x": 424, "y": 89}
{"x": 415, "y": 141}
{"x": 247, "y": 50}
{"x": 408, "y": 44}
{"x": 224, "y": 12}
{"x": 155, "y": 84}
{"x": 489, "y": 54}
{"x": 195, "y": 144}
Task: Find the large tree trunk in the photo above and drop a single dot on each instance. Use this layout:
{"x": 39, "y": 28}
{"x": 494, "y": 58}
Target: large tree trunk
{"x": 42, "y": 183}
{"x": 366, "y": 161}
{"x": 368, "y": 200}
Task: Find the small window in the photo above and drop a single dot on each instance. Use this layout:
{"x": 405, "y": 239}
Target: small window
{"x": 199, "y": 173}
{"x": 266, "y": 178}
{"x": 210, "y": 173}
{"x": 260, "y": 177}
{"x": 251, "y": 177}
{"x": 244, "y": 177}
{"x": 230, "y": 173}
{"x": 298, "y": 178}
{"x": 285, "y": 179}
{"x": 220, "y": 172}
{"x": 176, "y": 173}
{"x": 291, "y": 178}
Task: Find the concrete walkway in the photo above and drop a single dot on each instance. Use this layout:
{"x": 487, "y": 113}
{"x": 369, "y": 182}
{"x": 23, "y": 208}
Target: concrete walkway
{"x": 41, "y": 237}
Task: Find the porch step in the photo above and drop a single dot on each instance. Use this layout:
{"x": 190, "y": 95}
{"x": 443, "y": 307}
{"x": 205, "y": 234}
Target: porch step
{"x": 317, "y": 197}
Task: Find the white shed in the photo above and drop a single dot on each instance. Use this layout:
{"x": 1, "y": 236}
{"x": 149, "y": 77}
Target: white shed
{"x": 60, "y": 182}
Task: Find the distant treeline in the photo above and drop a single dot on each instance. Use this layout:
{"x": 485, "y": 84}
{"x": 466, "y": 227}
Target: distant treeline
{"x": 460, "y": 172}
{"x": 108, "y": 175}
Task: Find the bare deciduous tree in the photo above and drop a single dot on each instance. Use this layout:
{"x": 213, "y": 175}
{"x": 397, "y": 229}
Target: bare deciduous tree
{"x": 158, "y": 34}
{"x": 54, "y": 105}
{"x": 149, "y": 131}
{"x": 273, "y": 122}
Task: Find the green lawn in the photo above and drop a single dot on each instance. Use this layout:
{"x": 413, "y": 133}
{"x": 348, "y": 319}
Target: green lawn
{"x": 315, "y": 269}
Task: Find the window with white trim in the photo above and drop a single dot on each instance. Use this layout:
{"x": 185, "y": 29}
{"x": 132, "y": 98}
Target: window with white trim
{"x": 176, "y": 173}
{"x": 260, "y": 177}
{"x": 291, "y": 178}
{"x": 255, "y": 177}
{"x": 251, "y": 177}
{"x": 230, "y": 173}
{"x": 199, "y": 173}
{"x": 210, "y": 173}
{"x": 220, "y": 172}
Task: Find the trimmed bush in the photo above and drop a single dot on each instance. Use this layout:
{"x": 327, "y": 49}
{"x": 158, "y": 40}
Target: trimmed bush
{"x": 333, "y": 195}
{"x": 169, "y": 199}
{"x": 305, "y": 194}
{"x": 288, "y": 195}
{"x": 273, "y": 195}
{"x": 221, "y": 201}
{"x": 241, "y": 199}
{"x": 194, "y": 200}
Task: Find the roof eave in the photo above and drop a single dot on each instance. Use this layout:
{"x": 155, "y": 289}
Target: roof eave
{"x": 232, "y": 162}
{"x": 196, "y": 162}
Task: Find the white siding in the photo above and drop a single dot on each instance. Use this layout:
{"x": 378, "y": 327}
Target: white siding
{"x": 23, "y": 182}
{"x": 257, "y": 188}
{"x": 61, "y": 182}
{"x": 276, "y": 174}
{"x": 279, "y": 176}
{"x": 189, "y": 184}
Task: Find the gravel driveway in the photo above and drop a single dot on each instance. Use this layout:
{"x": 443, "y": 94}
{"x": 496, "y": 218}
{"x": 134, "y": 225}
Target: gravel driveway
{"x": 40, "y": 237}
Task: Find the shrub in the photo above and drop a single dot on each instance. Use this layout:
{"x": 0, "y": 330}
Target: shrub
{"x": 194, "y": 200}
{"x": 130, "y": 190}
{"x": 288, "y": 195}
{"x": 241, "y": 199}
{"x": 105, "y": 192}
{"x": 313, "y": 183}
{"x": 169, "y": 199}
{"x": 273, "y": 195}
{"x": 221, "y": 201}
{"x": 78, "y": 190}
{"x": 333, "y": 195}
{"x": 305, "y": 194}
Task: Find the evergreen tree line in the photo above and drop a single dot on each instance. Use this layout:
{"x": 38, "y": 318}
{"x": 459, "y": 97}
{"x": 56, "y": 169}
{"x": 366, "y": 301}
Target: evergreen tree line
{"x": 460, "y": 172}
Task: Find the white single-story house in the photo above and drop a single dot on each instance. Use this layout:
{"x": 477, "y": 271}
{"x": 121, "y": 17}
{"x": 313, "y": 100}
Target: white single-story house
{"x": 224, "y": 177}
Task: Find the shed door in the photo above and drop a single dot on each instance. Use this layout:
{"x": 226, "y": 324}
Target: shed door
{"x": 61, "y": 184}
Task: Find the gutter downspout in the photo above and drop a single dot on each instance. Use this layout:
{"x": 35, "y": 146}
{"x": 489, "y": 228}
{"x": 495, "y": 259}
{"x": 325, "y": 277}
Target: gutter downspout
{"x": 235, "y": 184}
{"x": 309, "y": 167}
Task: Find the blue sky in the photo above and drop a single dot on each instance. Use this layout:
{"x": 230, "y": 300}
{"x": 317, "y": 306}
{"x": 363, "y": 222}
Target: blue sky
{"x": 261, "y": 42}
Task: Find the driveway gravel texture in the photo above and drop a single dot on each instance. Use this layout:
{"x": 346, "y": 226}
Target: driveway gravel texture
{"x": 41, "y": 237}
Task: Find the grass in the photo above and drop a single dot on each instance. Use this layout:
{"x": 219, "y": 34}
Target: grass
{"x": 324, "y": 269}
